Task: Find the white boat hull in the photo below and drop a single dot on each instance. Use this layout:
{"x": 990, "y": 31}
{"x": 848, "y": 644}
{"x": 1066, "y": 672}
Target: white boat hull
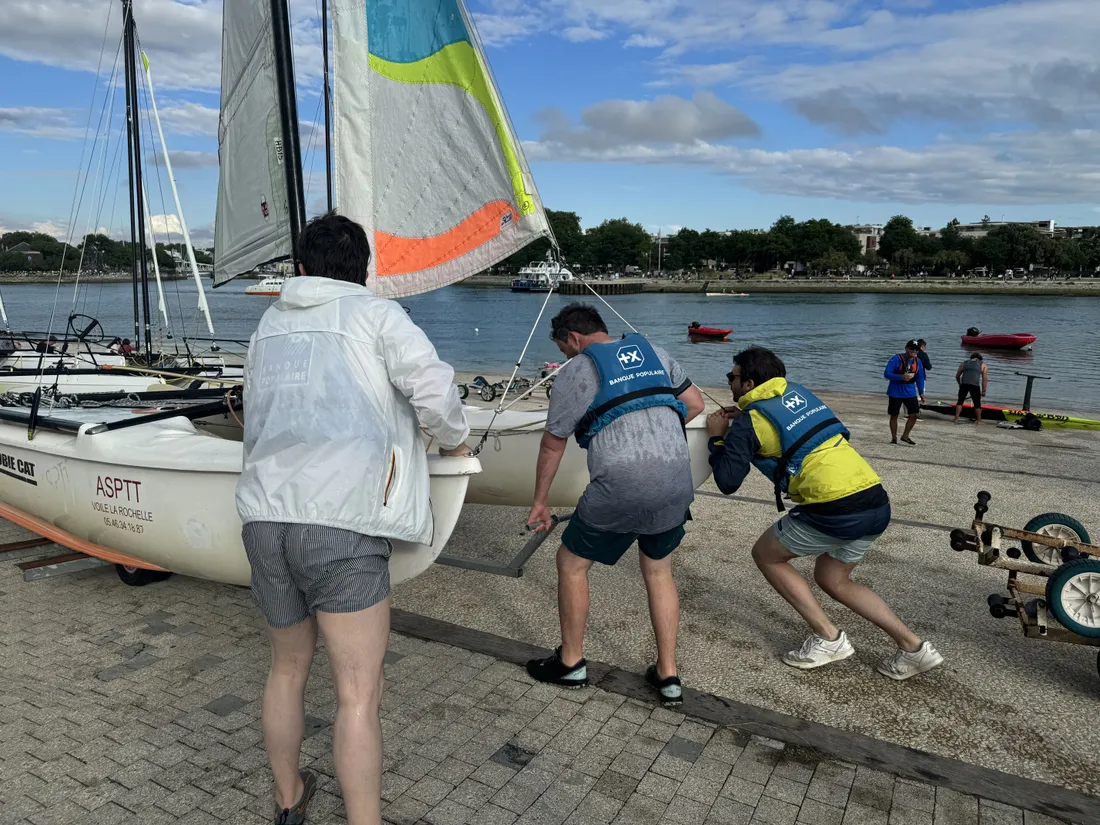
{"x": 163, "y": 494}
{"x": 510, "y": 456}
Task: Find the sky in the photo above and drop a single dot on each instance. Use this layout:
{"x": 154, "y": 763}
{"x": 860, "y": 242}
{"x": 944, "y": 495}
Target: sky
{"x": 721, "y": 114}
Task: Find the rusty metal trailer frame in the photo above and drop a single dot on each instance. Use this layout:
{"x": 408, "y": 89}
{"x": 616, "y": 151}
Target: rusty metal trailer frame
{"x": 989, "y": 542}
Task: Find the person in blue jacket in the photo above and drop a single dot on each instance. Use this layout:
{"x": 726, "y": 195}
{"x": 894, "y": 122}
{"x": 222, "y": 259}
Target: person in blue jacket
{"x": 905, "y": 372}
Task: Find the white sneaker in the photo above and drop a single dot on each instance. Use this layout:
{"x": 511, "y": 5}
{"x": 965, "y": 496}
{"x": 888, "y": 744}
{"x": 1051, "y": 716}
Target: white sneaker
{"x": 903, "y": 664}
{"x": 816, "y": 651}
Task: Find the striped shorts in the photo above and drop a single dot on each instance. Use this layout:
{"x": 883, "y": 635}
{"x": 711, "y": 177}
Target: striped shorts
{"x": 299, "y": 570}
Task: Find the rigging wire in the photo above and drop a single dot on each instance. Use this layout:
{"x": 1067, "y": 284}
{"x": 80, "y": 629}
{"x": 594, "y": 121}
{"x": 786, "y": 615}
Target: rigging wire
{"x": 163, "y": 201}
{"x": 78, "y": 198}
{"x": 515, "y": 371}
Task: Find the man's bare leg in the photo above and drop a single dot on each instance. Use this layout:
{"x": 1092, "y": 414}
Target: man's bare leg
{"x": 573, "y": 604}
{"x": 893, "y": 428}
{"x": 834, "y": 577}
{"x": 356, "y": 643}
{"x": 284, "y": 706}
{"x": 664, "y": 610}
{"x": 958, "y": 412}
{"x": 910, "y": 422}
{"x": 774, "y": 559}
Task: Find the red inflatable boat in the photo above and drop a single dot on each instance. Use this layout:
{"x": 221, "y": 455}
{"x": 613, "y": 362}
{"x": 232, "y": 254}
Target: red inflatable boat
{"x": 709, "y": 333}
{"x": 1014, "y": 340}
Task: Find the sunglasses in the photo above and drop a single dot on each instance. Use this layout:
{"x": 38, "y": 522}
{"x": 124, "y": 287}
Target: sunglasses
{"x": 730, "y": 377}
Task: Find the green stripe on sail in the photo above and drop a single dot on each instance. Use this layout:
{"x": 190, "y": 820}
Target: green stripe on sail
{"x": 458, "y": 65}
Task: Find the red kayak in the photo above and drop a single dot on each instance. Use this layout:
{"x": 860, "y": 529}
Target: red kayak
{"x": 710, "y": 333}
{"x": 1014, "y": 340}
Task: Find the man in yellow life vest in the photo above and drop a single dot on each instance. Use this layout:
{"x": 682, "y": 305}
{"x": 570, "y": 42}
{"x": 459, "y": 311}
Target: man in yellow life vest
{"x": 792, "y": 437}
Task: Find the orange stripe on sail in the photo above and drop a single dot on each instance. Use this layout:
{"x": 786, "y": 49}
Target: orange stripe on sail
{"x": 67, "y": 539}
{"x": 401, "y": 256}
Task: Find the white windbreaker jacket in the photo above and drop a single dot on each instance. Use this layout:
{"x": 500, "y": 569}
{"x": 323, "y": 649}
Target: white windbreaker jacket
{"x": 333, "y": 385}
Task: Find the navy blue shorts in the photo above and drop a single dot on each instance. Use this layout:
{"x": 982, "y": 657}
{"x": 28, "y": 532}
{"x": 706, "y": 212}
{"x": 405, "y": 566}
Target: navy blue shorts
{"x": 602, "y": 546}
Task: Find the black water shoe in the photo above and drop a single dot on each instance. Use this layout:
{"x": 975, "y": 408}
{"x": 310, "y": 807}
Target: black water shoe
{"x": 669, "y": 690}
{"x": 297, "y": 814}
{"x": 553, "y": 671}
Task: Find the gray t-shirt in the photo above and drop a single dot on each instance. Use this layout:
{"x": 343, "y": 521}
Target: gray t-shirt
{"x": 639, "y": 464}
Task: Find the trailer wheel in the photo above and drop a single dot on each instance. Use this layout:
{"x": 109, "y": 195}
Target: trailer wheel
{"x": 463, "y": 391}
{"x": 138, "y": 576}
{"x": 1055, "y": 525}
{"x": 488, "y": 393}
{"x": 1073, "y": 596}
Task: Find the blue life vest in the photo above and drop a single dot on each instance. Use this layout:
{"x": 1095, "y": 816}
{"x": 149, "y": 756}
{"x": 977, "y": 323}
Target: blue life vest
{"x": 804, "y": 423}
{"x": 632, "y": 377}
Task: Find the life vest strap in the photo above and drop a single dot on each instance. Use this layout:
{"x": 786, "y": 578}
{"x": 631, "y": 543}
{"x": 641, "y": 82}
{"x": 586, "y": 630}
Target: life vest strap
{"x": 790, "y": 452}
{"x": 592, "y": 416}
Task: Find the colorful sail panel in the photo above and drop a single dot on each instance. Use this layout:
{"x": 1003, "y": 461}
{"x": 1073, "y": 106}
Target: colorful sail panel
{"x": 425, "y": 156}
{"x": 252, "y": 223}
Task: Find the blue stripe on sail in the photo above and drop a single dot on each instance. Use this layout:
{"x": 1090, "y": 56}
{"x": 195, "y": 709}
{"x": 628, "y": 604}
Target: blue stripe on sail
{"x": 404, "y": 31}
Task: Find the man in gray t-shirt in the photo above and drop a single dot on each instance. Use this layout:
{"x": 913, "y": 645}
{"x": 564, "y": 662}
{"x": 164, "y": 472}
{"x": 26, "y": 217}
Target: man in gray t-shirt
{"x": 627, "y": 403}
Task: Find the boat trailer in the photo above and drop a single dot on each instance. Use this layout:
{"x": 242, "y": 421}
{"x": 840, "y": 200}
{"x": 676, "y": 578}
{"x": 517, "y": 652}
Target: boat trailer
{"x": 1055, "y": 547}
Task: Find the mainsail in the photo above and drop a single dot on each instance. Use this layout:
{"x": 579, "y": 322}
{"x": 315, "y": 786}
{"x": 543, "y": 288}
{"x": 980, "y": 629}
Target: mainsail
{"x": 252, "y": 225}
{"x": 425, "y": 156}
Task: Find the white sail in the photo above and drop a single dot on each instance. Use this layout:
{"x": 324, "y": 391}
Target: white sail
{"x": 425, "y": 155}
{"x": 252, "y": 225}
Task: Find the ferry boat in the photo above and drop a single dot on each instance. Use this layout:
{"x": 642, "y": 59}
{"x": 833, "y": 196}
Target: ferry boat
{"x": 541, "y": 277}
{"x": 272, "y": 285}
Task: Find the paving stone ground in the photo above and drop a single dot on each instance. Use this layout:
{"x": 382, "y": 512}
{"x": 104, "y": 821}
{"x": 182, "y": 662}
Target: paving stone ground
{"x": 142, "y": 705}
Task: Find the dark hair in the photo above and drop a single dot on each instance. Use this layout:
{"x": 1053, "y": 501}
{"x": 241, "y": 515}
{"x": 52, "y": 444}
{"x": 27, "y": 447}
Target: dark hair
{"x": 759, "y": 365}
{"x": 921, "y": 342}
{"x": 332, "y": 246}
{"x": 579, "y": 318}
{"x": 912, "y": 344}
{"x": 977, "y": 355}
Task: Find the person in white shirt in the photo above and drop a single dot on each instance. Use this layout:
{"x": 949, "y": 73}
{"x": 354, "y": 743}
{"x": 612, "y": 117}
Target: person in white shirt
{"x": 334, "y": 469}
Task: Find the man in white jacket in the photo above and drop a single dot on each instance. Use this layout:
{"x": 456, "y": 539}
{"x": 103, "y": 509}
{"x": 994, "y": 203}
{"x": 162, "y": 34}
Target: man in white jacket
{"x": 334, "y": 468}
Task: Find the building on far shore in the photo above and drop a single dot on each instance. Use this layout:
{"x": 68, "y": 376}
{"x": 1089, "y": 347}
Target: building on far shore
{"x": 983, "y": 228}
{"x": 869, "y": 235}
{"x": 31, "y": 256}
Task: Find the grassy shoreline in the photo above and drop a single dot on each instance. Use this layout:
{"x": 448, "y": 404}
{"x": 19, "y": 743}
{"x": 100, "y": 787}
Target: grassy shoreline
{"x": 1074, "y": 288}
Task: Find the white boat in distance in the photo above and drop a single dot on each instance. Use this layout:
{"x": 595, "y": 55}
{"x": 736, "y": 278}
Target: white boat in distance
{"x": 271, "y": 285}
{"x": 541, "y": 277}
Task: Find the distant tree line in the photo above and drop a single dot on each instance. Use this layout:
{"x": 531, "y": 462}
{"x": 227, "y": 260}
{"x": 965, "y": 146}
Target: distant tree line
{"x": 818, "y": 246}
{"x": 100, "y": 253}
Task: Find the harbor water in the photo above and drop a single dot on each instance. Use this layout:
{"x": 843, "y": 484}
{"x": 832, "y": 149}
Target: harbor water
{"x": 831, "y": 342}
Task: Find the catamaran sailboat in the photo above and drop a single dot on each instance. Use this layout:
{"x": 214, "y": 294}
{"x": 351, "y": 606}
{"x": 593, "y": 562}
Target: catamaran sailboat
{"x": 141, "y": 486}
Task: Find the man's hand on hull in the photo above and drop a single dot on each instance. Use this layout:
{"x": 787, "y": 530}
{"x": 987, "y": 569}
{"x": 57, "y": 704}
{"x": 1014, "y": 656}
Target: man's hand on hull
{"x": 718, "y": 423}
{"x": 539, "y": 518}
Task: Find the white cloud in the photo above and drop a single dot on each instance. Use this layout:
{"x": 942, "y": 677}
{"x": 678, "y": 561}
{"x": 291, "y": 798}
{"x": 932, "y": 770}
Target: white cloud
{"x": 49, "y": 228}
{"x": 1017, "y": 168}
{"x": 188, "y": 118}
{"x": 665, "y": 120}
{"x": 698, "y": 75}
{"x": 582, "y": 34}
{"x": 39, "y": 122}
{"x": 164, "y": 225}
{"x": 644, "y": 41}
{"x": 182, "y": 39}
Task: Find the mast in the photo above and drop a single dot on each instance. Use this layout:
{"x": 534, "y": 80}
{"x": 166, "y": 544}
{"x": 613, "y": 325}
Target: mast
{"x": 328, "y": 104}
{"x": 288, "y": 117}
{"x": 137, "y": 209}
